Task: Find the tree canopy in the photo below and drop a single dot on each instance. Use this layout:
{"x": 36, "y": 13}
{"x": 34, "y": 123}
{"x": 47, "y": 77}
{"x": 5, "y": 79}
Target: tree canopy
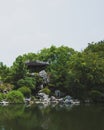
{"x": 80, "y": 74}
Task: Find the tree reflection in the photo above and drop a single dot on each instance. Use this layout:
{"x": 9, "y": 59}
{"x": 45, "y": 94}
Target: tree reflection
{"x": 39, "y": 117}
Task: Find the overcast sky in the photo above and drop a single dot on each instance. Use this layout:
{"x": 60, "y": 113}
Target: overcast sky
{"x": 30, "y": 25}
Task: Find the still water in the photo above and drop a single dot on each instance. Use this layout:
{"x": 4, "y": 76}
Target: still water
{"x": 39, "y": 117}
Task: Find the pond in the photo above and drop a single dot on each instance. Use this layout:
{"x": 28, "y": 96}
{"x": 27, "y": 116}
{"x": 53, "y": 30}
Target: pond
{"x": 39, "y": 117}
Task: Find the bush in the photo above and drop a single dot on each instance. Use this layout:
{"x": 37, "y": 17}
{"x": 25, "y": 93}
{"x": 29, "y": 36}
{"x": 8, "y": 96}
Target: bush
{"x": 15, "y": 97}
{"x": 1, "y": 96}
{"x": 46, "y": 91}
{"x": 25, "y": 91}
{"x": 96, "y": 96}
{"x": 27, "y": 81}
{"x": 6, "y": 87}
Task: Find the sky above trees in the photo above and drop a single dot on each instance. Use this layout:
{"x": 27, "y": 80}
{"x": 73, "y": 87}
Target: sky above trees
{"x": 30, "y": 25}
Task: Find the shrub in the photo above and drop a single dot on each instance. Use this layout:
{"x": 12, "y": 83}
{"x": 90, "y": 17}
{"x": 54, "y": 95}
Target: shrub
{"x": 25, "y": 91}
{"x": 15, "y": 97}
{"x": 1, "y": 96}
{"x": 96, "y": 96}
{"x": 27, "y": 81}
{"x": 6, "y": 87}
{"x": 46, "y": 91}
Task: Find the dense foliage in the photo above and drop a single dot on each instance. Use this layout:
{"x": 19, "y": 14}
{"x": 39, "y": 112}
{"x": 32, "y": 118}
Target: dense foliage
{"x": 1, "y": 96}
{"x": 80, "y": 74}
{"x": 46, "y": 91}
{"x": 25, "y": 91}
{"x": 15, "y": 97}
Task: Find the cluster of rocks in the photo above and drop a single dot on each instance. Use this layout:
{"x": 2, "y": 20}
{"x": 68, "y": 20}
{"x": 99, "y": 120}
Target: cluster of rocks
{"x": 45, "y": 99}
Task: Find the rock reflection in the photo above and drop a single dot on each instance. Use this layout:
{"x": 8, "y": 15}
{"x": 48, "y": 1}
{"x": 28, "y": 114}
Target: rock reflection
{"x": 52, "y": 117}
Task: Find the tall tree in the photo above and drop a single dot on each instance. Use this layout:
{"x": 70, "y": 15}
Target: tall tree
{"x": 87, "y": 71}
{"x": 18, "y": 70}
{"x": 58, "y": 67}
{"x": 4, "y": 71}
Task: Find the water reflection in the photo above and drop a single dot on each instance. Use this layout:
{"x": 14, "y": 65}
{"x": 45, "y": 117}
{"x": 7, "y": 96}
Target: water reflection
{"x": 40, "y": 117}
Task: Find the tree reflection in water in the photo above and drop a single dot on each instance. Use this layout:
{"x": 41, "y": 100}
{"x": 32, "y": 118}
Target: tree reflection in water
{"x": 40, "y": 117}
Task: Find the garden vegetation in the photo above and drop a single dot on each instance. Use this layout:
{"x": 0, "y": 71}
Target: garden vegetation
{"x": 79, "y": 74}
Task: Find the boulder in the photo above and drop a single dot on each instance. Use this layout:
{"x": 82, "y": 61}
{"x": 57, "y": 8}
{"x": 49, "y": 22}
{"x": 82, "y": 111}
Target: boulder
{"x": 68, "y": 97}
{"x": 43, "y": 96}
{"x": 67, "y": 101}
{"x": 52, "y": 98}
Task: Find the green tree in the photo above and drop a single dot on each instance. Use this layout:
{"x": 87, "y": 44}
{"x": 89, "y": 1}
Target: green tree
{"x": 30, "y": 57}
{"x": 27, "y": 81}
{"x": 18, "y": 70}
{"x": 4, "y": 72}
{"x": 58, "y": 67}
{"x": 86, "y": 71}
